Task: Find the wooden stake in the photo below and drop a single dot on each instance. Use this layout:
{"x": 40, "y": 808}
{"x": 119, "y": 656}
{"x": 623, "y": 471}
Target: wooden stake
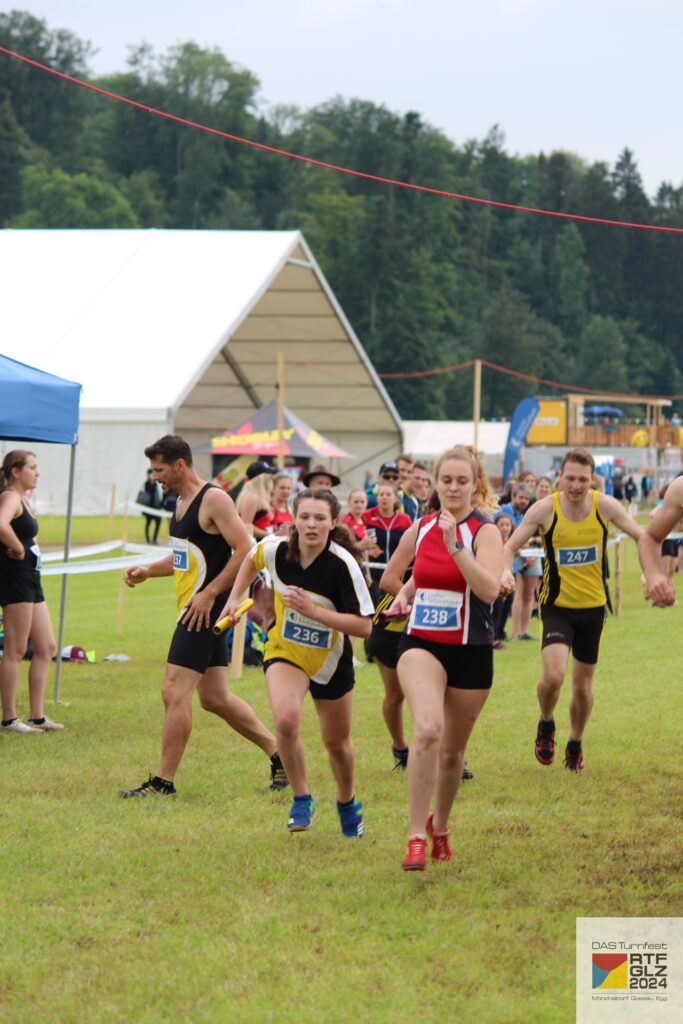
{"x": 476, "y": 415}
{"x": 112, "y": 508}
{"x": 280, "y": 409}
{"x": 122, "y": 585}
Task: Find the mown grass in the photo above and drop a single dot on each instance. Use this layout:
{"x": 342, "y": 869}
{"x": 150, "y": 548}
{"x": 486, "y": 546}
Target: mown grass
{"x": 205, "y": 910}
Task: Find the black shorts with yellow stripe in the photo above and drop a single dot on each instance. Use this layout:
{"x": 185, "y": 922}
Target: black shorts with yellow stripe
{"x": 341, "y": 682}
{"x": 382, "y": 644}
{"x": 579, "y": 629}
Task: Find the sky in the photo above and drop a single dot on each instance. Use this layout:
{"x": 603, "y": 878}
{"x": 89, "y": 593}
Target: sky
{"x": 588, "y": 76}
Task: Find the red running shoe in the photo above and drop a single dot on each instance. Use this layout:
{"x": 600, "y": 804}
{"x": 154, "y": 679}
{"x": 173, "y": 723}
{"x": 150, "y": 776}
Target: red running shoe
{"x": 416, "y": 854}
{"x": 440, "y": 848}
{"x": 544, "y": 748}
{"x": 573, "y": 758}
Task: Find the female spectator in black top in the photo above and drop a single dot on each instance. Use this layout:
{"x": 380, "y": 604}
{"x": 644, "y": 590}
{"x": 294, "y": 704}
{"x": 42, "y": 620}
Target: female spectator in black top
{"x": 152, "y": 522}
{"x": 21, "y": 596}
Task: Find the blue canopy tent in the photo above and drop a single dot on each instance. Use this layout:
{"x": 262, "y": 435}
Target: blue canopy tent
{"x": 37, "y": 406}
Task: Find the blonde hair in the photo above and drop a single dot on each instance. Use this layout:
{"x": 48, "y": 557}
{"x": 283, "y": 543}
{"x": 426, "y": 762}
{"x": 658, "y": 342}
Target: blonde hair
{"x": 483, "y": 497}
{"x": 261, "y": 486}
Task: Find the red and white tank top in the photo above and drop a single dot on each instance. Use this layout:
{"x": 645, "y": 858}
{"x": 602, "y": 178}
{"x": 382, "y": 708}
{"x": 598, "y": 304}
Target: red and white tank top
{"x": 445, "y": 609}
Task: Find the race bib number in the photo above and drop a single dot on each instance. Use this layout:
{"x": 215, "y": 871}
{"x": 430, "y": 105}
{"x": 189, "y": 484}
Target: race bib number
{"x": 35, "y": 551}
{"x": 436, "y": 610}
{"x": 181, "y": 554}
{"x": 572, "y": 557}
{"x": 299, "y": 629}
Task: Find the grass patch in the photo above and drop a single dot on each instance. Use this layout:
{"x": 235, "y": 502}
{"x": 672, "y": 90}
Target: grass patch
{"x": 205, "y": 910}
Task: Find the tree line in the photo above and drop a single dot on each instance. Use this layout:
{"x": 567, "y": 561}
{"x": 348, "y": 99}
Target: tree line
{"x": 425, "y": 281}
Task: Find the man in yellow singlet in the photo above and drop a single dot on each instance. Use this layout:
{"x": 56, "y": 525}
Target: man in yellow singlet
{"x": 573, "y": 523}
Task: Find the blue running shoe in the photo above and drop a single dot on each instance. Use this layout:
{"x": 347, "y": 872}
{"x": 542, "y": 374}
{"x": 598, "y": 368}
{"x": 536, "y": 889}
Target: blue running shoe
{"x": 301, "y": 813}
{"x": 351, "y": 819}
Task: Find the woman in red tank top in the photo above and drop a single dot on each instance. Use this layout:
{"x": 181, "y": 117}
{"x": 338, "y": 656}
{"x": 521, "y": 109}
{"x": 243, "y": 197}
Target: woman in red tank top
{"x": 445, "y": 664}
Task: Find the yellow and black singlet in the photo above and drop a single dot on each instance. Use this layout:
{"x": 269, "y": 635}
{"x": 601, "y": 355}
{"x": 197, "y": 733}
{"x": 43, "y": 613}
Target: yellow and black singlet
{"x": 575, "y": 563}
{"x": 333, "y": 580}
{"x": 198, "y": 557}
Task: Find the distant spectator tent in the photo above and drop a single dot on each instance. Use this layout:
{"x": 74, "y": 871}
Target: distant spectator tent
{"x": 179, "y": 331}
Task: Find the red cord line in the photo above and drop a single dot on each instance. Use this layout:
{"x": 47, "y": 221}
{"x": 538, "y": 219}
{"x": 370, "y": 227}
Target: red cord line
{"x": 333, "y": 167}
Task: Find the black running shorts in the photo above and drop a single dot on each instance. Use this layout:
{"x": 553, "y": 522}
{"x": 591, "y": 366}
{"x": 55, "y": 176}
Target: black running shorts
{"x": 382, "y": 645}
{"x": 577, "y": 628}
{"x": 197, "y": 650}
{"x": 21, "y": 588}
{"x": 467, "y": 666}
{"x": 341, "y": 683}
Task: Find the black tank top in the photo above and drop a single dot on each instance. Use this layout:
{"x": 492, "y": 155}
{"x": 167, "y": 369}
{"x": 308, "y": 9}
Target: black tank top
{"x": 198, "y": 557}
{"x": 26, "y": 528}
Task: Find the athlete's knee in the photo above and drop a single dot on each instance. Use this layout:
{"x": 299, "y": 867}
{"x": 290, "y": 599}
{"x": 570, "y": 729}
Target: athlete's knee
{"x": 287, "y": 723}
{"x": 173, "y": 694}
{"x": 393, "y": 699}
{"x": 427, "y": 732}
{"x": 45, "y": 649}
{"x": 451, "y": 758}
{"x": 213, "y": 700}
{"x": 339, "y": 747}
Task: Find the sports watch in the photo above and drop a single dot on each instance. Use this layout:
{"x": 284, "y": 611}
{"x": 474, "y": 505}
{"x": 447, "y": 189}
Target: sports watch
{"x": 458, "y": 546}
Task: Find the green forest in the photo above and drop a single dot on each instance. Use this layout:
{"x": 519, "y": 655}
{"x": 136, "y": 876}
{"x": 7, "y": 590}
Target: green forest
{"x": 426, "y": 281}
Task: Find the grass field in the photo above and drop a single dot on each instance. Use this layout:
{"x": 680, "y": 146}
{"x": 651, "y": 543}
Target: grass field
{"x": 204, "y": 909}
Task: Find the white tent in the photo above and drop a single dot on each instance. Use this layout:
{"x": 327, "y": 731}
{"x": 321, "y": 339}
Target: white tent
{"x": 179, "y": 331}
{"x": 426, "y": 439}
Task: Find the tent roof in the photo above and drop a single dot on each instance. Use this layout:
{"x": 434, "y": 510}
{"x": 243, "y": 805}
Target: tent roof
{"x": 187, "y": 322}
{"x": 259, "y": 435}
{"x": 36, "y": 406}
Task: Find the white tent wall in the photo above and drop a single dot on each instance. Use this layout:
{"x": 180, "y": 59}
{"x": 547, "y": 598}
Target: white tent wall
{"x": 109, "y": 453}
{"x": 180, "y": 331}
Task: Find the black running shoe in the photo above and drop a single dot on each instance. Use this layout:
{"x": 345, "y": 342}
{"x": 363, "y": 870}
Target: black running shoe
{"x": 278, "y": 776}
{"x": 545, "y": 742}
{"x": 401, "y": 759}
{"x": 467, "y": 773}
{"x": 573, "y": 757}
{"x": 154, "y": 786}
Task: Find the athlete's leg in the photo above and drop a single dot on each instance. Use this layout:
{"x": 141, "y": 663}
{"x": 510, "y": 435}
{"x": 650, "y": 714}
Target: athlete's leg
{"x": 287, "y": 687}
{"x": 423, "y": 681}
{"x": 582, "y": 697}
{"x": 334, "y": 717}
{"x": 17, "y": 625}
{"x": 176, "y": 692}
{"x": 392, "y": 705}
{"x": 44, "y": 647}
{"x": 526, "y": 598}
{"x": 215, "y": 696}
{"x": 461, "y": 710}
{"x": 555, "y": 657}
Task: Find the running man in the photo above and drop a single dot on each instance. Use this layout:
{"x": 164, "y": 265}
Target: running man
{"x": 573, "y": 526}
{"x": 658, "y": 586}
{"x": 209, "y": 543}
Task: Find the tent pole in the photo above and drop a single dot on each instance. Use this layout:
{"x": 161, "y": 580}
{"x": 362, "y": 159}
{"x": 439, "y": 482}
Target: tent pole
{"x": 67, "y": 549}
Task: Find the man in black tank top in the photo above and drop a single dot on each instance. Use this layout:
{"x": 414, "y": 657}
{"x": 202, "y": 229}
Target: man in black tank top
{"x": 209, "y": 542}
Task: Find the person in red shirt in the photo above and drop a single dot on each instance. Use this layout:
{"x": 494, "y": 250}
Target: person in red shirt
{"x": 389, "y": 524}
{"x": 280, "y": 515}
{"x": 445, "y": 664}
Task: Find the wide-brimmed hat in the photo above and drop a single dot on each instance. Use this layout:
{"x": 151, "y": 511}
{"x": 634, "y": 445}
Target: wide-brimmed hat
{"x": 318, "y": 471}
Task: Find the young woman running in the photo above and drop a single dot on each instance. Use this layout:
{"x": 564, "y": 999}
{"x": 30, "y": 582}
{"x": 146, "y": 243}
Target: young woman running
{"x": 320, "y": 600}
{"x": 21, "y": 597}
{"x": 445, "y": 664}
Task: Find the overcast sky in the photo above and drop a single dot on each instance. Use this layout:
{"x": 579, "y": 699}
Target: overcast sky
{"x": 589, "y": 76}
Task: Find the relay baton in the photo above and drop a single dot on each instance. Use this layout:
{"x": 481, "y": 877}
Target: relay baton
{"x": 224, "y": 624}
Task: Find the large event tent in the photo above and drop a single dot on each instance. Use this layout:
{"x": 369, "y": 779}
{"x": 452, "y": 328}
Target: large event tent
{"x": 180, "y": 331}
{"x": 37, "y": 406}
